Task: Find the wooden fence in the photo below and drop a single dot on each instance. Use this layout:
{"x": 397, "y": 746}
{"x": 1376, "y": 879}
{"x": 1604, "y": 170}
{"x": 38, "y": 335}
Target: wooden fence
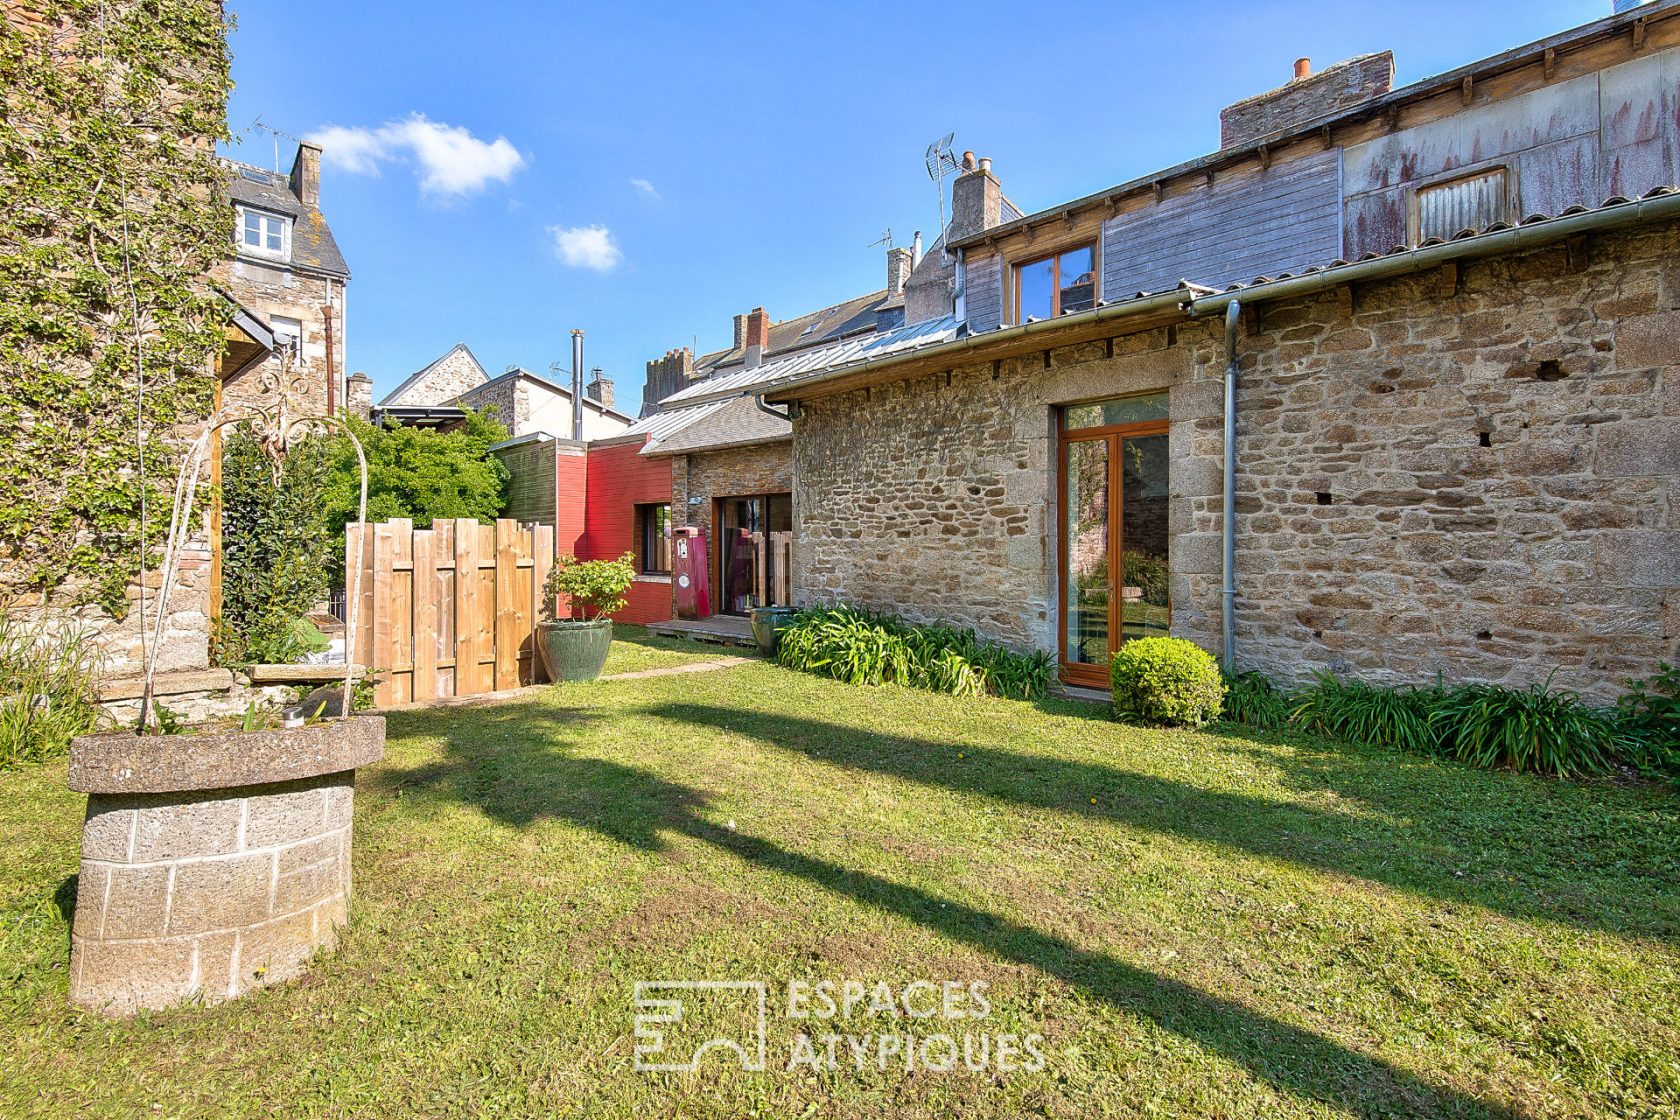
{"x": 451, "y": 610}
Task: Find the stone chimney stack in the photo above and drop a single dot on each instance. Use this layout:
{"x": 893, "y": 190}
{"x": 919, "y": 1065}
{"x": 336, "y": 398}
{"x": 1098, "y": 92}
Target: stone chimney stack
{"x": 740, "y": 333}
{"x": 899, "y": 262}
{"x": 600, "y": 388}
{"x": 758, "y": 336}
{"x": 1305, "y": 98}
{"x": 358, "y": 394}
{"x": 976, "y": 199}
{"x": 665, "y": 376}
{"x": 306, "y": 174}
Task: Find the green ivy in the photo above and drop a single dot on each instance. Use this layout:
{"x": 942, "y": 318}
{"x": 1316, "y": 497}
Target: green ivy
{"x": 109, "y": 116}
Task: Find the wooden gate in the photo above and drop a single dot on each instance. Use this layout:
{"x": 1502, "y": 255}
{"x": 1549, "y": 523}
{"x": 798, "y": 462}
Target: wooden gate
{"x": 451, "y": 610}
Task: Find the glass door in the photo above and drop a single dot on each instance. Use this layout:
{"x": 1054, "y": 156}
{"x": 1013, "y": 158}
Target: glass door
{"x": 754, "y": 551}
{"x": 1113, "y": 531}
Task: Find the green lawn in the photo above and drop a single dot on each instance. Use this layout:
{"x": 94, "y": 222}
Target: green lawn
{"x": 635, "y": 648}
{"x": 1197, "y": 924}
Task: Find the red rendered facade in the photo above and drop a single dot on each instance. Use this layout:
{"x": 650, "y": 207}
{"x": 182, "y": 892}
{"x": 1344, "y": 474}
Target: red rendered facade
{"x": 596, "y": 499}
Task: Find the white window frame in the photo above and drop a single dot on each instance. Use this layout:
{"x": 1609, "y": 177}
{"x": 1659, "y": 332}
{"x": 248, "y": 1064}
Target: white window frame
{"x": 247, "y": 249}
{"x": 296, "y": 346}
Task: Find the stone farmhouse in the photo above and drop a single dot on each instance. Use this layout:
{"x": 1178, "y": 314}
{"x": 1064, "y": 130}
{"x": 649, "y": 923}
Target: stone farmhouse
{"x": 1388, "y": 385}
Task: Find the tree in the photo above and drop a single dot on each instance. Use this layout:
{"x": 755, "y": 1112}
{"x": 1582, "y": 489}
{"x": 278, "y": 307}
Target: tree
{"x": 419, "y": 473}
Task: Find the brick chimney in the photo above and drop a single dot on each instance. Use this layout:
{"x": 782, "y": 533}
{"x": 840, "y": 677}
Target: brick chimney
{"x": 665, "y": 376}
{"x": 976, "y": 199}
{"x": 306, "y": 174}
{"x": 600, "y": 388}
{"x": 758, "y": 336}
{"x": 898, "y": 270}
{"x": 1305, "y": 98}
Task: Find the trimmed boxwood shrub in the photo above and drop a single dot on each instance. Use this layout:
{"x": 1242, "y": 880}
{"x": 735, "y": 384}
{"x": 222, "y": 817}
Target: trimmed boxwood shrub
{"x": 1168, "y": 681}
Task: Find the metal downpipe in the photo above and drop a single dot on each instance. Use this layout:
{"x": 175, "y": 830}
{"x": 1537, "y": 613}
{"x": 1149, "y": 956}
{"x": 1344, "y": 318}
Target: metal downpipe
{"x": 1228, "y": 524}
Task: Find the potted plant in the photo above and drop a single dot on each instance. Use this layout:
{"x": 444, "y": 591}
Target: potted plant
{"x": 575, "y": 648}
{"x": 767, "y": 624}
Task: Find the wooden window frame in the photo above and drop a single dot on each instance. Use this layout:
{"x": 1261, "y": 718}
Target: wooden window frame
{"x": 642, "y": 511}
{"x": 1054, "y": 255}
{"x": 1079, "y": 673}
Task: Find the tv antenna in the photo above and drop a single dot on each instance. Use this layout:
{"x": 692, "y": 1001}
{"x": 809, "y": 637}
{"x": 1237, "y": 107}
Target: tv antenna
{"x": 258, "y": 126}
{"x": 886, "y": 239}
{"x": 939, "y": 161}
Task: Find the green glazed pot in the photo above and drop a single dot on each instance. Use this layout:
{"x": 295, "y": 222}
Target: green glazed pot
{"x": 766, "y": 623}
{"x": 575, "y": 651}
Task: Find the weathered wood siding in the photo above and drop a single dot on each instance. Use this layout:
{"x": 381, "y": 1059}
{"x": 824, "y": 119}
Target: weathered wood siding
{"x": 1257, "y": 223}
{"x": 531, "y": 489}
{"x": 983, "y": 286}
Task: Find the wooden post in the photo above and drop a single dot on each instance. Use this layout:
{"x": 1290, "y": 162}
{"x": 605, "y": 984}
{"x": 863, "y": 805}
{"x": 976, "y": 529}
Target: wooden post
{"x": 507, "y": 636}
{"x": 467, "y": 650}
{"x": 425, "y": 615}
{"x": 402, "y": 609}
{"x": 380, "y": 651}
{"x": 542, "y": 562}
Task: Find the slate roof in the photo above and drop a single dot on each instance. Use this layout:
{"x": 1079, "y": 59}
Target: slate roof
{"x": 735, "y": 422}
{"x": 313, "y": 246}
{"x": 852, "y": 316}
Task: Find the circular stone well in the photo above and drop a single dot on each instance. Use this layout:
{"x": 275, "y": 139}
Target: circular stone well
{"x": 212, "y": 863}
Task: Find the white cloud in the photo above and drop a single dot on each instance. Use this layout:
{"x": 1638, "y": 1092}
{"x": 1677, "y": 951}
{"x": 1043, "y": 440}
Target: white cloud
{"x": 449, "y": 160}
{"x": 586, "y": 247}
{"x": 645, "y": 187}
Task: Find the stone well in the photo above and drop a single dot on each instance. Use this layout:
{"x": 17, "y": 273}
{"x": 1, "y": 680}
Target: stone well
{"x": 212, "y": 863}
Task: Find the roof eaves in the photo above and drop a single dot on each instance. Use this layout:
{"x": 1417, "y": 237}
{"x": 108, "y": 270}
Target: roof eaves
{"x": 1376, "y": 106}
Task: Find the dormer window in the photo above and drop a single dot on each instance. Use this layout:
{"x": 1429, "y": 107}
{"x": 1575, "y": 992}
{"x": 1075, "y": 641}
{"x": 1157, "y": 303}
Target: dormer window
{"x": 265, "y": 235}
{"x": 1056, "y": 285}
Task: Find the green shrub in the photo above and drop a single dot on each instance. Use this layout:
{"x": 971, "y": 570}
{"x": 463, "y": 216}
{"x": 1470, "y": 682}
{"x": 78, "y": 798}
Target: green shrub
{"x": 48, "y": 690}
{"x": 1534, "y": 728}
{"x": 1167, "y": 681}
{"x": 1650, "y": 711}
{"x": 1252, "y": 699}
{"x": 1364, "y": 713}
{"x": 859, "y": 647}
{"x": 278, "y": 547}
{"x": 593, "y": 588}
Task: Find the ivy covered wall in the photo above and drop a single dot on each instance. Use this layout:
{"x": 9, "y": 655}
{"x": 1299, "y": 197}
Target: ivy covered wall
{"x": 113, "y": 214}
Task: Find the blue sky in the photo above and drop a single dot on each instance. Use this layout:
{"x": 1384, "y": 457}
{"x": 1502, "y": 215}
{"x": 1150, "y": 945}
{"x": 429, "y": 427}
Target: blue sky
{"x": 499, "y": 173}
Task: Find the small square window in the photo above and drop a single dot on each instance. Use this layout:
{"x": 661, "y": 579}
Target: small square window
{"x": 288, "y": 338}
{"x": 653, "y": 538}
{"x": 1056, "y": 285}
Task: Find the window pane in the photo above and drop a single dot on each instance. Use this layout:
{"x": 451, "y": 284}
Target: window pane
{"x": 272, "y": 225}
{"x": 253, "y": 229}
{"x": 1120, "y": 410}
{"x": 1145, "y": 608}
{"x": 1086, "y": 563}
{"x": 1079, "y": 281}
{"x": 1035, "y": 291}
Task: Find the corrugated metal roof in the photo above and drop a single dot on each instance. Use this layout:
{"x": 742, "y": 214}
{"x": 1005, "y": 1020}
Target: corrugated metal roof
{"x": 859, "y": 349}
{"x": 735, "y": 422}
{"x": 662, "y": 424}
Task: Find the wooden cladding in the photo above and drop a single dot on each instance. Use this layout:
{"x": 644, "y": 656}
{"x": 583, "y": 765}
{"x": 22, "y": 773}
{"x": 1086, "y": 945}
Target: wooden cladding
{"x": 451, "y": 610}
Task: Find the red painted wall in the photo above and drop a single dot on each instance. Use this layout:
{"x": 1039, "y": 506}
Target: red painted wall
{"x": 619, "y": 478}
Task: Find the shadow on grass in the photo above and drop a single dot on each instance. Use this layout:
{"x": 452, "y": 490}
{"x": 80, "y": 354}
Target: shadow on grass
{"x": 513, "y": 762}
{"x": 1446, "y": 835}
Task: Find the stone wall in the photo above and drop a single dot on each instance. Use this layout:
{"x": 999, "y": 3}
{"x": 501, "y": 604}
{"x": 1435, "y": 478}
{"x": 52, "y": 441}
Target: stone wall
{"x": 271, "y": 291}
{"x": 698, "y": 478}
{"x": 447, "y": 378}
{"x": 1331, "y": 90}
{"x": 1479, "y": 478}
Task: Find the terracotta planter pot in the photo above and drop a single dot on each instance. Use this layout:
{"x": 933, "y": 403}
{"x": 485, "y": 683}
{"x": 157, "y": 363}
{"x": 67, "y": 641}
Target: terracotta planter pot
{"x": 212, "y": 863}
{"x": 575, "y": 651}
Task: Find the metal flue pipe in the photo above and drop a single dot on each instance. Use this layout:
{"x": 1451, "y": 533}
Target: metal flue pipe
{"x": 577, "y": 383}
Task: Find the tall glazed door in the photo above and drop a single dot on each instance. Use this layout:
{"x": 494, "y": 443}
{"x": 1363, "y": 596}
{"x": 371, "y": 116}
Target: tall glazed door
{"x": 1113, "y": 502}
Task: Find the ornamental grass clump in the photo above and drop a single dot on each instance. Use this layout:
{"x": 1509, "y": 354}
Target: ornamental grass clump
{"x": 593, "y": 589}
{"x": 860, "y": 647}
{"x": 48, "y": 690}
{"x": 1534, "y": 728}
{"x": 1167, "y": 681}
{"x": 1254, "y": 701}
{"x": 1371, "y": 715}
